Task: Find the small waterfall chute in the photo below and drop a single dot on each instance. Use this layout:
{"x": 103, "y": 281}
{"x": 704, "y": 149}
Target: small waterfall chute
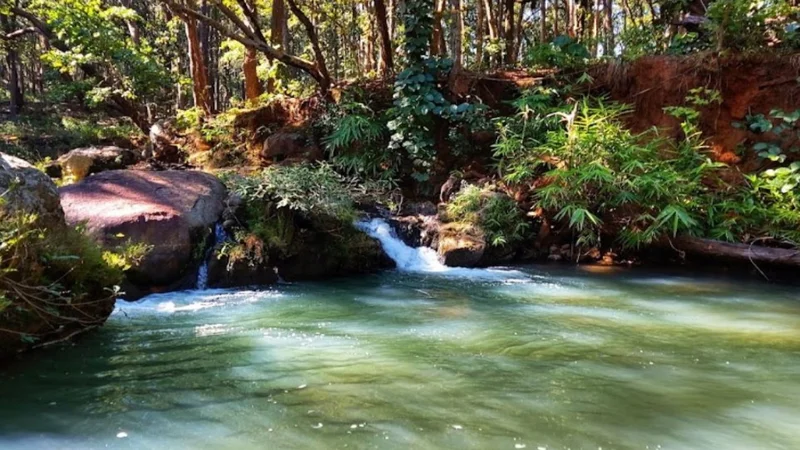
{"x": 411, "y": 259}
{"x": 202, "y": 272}
{"x": 425, "y": 259}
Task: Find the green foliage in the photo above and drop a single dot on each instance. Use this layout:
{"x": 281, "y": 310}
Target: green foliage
{"x": 499, "y": 216}
{"x": 95, "y": 33}
{"x": 54, "y": 276}
{"x": 418, "y": 100}
{"x": 311, "y": 189}
{"x": 562, "y": 52}
{"x": 749, "y": 24}
{"x": 36, "y": 135}
{"x": 777, "y": 131}
{"x": 356, "y": 141}
{"x": 536, "y": 114}
{"x": 600, "y": 176}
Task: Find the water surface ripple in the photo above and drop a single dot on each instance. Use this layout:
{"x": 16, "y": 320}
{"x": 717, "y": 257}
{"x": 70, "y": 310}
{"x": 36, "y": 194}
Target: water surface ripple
{"x": 545, "y": 357}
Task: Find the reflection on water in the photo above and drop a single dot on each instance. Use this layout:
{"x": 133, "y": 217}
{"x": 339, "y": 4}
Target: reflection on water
{"x": 532, "y": 358}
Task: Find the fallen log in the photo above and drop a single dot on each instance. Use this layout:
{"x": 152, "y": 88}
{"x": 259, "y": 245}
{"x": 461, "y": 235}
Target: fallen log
{"x": 756, "y": 254}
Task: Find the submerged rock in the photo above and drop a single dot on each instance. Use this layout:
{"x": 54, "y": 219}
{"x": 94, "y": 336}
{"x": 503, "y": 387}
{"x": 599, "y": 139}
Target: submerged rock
{"x": 171, "y": 212}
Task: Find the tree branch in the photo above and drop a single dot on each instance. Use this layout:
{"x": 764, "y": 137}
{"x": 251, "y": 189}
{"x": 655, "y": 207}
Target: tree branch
{"x": 18, "y": 33}
{"x": 312, "y": 35}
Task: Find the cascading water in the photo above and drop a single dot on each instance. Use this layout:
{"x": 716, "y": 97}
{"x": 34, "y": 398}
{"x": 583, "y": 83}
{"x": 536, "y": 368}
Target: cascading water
{"x": 202, "y": 273}
{"x": 425, "y": 259}
{"x": 420, "y": 259}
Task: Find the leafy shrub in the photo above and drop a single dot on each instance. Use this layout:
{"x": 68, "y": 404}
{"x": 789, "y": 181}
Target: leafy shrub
{"x": 55, "y": 278}
{"x": 749, "y": 24}
{"x": 499, "y": 216}
{"x": 778, "y": 130}
{"x": 562, "y": 52}
{"x": 311, "y": 189}
{"x": 598, "y": 176}
{"x": 357, "y": 143}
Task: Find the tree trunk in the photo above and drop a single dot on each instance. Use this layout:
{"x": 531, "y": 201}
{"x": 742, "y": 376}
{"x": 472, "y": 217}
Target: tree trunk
{"x": 556, "y": 29}
{"x": 479, "y": 35}
{"x": 457, "y": 41}
{"x": 197, "y": 66}
{"x": 437, "y": 37}
{"x": 609, "y": 10}
{"x": 320, "y": 72}
{"x": 519, "y": 31}
{"x": 571, "y": 19}
{"x": 738, "y": 252}
{"x": 252, "y": 86}
{"x": 12, "y": 61}
{"x": 595, "y": 26}
{"x": 387, "y": 62}
{"x": 278, "y": 35}
{"x": 508, "y": 31}
{"x": 490, "y": 21}
{"x": 543, "y": 13}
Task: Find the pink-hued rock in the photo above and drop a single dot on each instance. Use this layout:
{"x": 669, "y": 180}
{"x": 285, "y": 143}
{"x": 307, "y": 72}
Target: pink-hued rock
{"x": 170, "y": 211}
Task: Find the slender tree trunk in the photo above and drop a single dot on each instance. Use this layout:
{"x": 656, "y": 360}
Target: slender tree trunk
{"x": 491, "y": 23}
{"x": 479, "y": 35}
{"x": 457, "y": 41}
{"x": 519, "y": 30}
{"x": 595, "y": 26}
{"x": 278, "y": 33}
{"x": 252, "y": 86}
{"x": 437, "y": 37}
{"x": 609, "y": 8}
{"x": 197, "y": 66}
{"x": 571, "y": 18}
{"x": 509, "y": 33}
{"x": 556, "y": 30}
{"x": 543, "y": 13}
{"x": 387, "y": 62}
{"x": 15, "y": 93}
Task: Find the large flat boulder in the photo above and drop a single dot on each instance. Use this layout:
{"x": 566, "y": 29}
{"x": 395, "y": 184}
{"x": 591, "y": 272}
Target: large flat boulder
{"x": 172, "y": 212}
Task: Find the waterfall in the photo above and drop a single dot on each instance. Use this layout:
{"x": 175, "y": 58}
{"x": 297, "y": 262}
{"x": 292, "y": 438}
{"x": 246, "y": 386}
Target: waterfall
{"x": 202, "y": 273}
{"x": 425, "y": 259}
{"x": 420, "y": 259}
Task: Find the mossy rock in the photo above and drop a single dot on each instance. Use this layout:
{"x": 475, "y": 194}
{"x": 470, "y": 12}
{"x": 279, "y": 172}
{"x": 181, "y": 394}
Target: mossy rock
{"x": 461, "y": 244}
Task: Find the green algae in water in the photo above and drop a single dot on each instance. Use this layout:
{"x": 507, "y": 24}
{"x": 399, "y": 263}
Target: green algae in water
{"x": 536, "y": 358}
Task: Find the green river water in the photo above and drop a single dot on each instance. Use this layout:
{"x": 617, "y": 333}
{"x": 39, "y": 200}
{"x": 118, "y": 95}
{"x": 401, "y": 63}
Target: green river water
{"x": 534, "y": 357}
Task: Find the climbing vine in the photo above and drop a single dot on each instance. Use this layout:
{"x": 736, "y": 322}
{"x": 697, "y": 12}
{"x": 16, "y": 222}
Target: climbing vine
{"x": 418, "y": 101}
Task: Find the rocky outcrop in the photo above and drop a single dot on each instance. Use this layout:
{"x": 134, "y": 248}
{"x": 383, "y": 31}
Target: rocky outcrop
{"x": 460, "y": 245}
{"x": 45, "y": 299}
{"x": 82, "y": 162}
{"x": 298, "y": 246}
{"x": 289, "y": 145}
{"x": 171, "y": 212}
{"x": 26, "y": 190}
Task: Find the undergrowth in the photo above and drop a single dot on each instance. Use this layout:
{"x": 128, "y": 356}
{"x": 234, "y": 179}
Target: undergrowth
{"x": 497, "y": 215}
{"x": 52, "y": 279}
{"x": 599, "y": 179}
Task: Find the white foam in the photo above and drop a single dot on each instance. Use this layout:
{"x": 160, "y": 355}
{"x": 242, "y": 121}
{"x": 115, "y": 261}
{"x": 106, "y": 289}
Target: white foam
{"x": 426, "y": 260}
